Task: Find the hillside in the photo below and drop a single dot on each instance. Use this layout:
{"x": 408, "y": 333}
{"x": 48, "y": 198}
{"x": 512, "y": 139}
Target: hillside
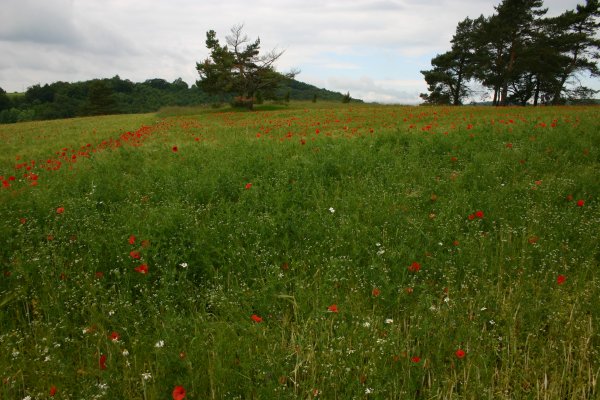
{"x": 122, "y": 96}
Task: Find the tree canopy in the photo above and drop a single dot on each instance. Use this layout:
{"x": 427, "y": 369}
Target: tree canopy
{"x": 519, "y": 55}
{"x": 238, "y": 68}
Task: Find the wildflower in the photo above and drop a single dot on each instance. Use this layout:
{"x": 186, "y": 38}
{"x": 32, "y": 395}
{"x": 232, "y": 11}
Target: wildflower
{"x": 142, "y": 269}
{"x": 560, "y": 279}
{"x": 114, "y": 336}
{"x": 178, "y": 393}
{"x": 102, "y": 361}
{"x": 159, "y": 344}
{"x": 60, "y": 210}
{"x": 414, "y": 267}
{"x": 331, "y": 210}
{"x": 175, "y": 149}
{"x": 580, "y": 203}
{"x": 125, "y": 352}
{"x": 146, "y": 376}
{"x": 479, "y": 214}
{"x": 256, "y": 318}
{"x": 471, "y": 217}
{"x": 375, "y": 292}
{"x": 332, "y": 308}
{"x": 52, "y": 390}
{"x": 389, "y": 321}
{"x": 183, "y": 265}
{"x": 415, "y": 359}
{"x": 135, "y": 254}
{"x": 22, "y": 220}
{"x": 131, "y": 239}
{"x": 248, "y": 186}
{"x": 460, "y": 353}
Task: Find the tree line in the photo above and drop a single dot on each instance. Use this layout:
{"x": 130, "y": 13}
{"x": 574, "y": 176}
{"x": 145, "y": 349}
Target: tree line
{"x": 122, "y": 96}
{"x": 519, "y": 55}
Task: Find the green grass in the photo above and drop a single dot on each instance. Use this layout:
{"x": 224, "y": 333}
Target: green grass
{"x": 281, "y": 214}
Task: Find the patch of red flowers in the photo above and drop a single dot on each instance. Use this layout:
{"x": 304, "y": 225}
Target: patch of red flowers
{"x": 560, "y": 279}
{"x": 114, "y": 336}
{"x": 375, "y": 292}
{"x": 135, "y": 254}
{"x": 332, "y": 308}
{"x": 142, "y": 269}
{"x": 414, "y": 267}
{"x": 256, "y": 318}
{"x": 178, "y": 393}
{"x": 415, "y": 359}
{"x": 248, "y": 186}
{"x": 53, "y": 390}
{"x": 131, "y": 239}
{"x": 102, "y": 361}
{"x": 60, "y": 210}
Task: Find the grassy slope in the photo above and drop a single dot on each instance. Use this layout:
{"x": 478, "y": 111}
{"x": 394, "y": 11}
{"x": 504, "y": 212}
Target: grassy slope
{"x": 342, "y": 201}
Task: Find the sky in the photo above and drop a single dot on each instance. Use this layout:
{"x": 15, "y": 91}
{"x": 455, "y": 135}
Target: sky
{"x": 374, "y": 49}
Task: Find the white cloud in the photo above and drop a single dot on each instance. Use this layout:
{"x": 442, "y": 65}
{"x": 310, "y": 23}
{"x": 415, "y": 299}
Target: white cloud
{"x": 374, "y": 48}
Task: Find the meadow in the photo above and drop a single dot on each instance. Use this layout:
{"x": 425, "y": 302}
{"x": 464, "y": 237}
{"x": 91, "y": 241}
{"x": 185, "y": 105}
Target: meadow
{"x": 313, "y": 251}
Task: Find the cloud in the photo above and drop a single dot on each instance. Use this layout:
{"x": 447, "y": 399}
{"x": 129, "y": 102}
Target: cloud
{"x": 383, "y": 91}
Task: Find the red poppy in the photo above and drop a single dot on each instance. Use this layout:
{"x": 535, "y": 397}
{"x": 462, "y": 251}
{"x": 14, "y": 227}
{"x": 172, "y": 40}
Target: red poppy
{"x": 415, "y": 359}
{"x": 178, "y": 393}
{"x": 60, "y": 210}
{"x": 414, "y": 267}
{"x": 471, "y": 217}
{"x": 375, "y": 292}
{"x": 52, "y": 390}
{"x": 131, "y": 239}
{"x": 479, "y": 214}
{"x": 135, "y": 254}
{"x": 99, "y": 275}
{"x": 580, "y": 203}
{"x": 256, "y": 318}
{"x": 560, "y": 279}
{"x": 22, "y": 220}
{"x": 175, "y": 149}
{"x": 142, "y": 269}
{"x": 248, "y": 186}
{"x": 114, "y": 336}
{"x": 102, "y": 361}
{"x": 460, "y": 353}
{"x": 332, "y": 308}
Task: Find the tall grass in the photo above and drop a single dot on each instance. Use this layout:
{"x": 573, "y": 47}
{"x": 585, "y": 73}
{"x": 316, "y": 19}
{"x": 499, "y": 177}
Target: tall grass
{"x": 317, "y": 251}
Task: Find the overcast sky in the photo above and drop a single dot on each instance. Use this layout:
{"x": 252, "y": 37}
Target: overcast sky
{"x": 373, "y": 49}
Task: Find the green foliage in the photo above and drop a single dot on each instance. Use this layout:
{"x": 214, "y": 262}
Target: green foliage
{"x": 254, "y": 225}
{"x": 238, "y": 68}
{"x": 346, "y": 99}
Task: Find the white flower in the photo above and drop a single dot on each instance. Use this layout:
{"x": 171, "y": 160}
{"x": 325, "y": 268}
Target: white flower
{"x": 366, "y": 324}
{"x": 125, "y": 352}
{"x": 183, "y": 265}
{"x": 389, "y": 321}
{"x": 331, "y": 210}
{"x": 146, "y": 376}
{"x": 27, "y": 398}
{"x": 159, "y": 344}
{"x": 368, "y": 391}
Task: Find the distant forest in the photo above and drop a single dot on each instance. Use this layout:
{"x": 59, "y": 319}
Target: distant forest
{"x": 121, "y": 96}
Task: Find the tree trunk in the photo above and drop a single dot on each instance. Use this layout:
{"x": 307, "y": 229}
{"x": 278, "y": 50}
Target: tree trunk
{"x": 536, "y": 93}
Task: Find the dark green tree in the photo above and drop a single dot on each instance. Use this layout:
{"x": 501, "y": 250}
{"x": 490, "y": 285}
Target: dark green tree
{"x": 447, "y": 80}
{"x": 238, "y": 68}
{"x": 100, "y": 99}
{"x": 576, "y": 39}
{"x": 5, "y": 102}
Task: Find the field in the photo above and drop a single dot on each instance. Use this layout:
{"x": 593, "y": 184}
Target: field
{"x": 316, "y": 251}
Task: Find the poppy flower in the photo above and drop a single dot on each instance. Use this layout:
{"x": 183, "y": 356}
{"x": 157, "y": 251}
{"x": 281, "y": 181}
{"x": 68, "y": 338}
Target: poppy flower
{"x": 479, "y": 214}
{"x": 60, "y": 210}
{"x": 102, "y": 361}
{"x": 142, "y": 269}
{"x": 52, "y": 390}
{"x": 135, "y": 254}
{"x": 248, "y": 186}
{"x": 560, "y": 279}
{"x": 460, "y": 353}
{"x": 415, "y": 359}
{"x": 175, "y": 149}
{"x": 256, "y": 318}
{"x": 580, "y": 203}
{"x": 178, "y": 393}
{"x": 332, "y": 308}
{"x": 114, "y": 336}
{"x": 375, "y": 292}
{"x": 414, "y": 267}
{"x": 131, "y": 239}
{"x": 471, "y": 217}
